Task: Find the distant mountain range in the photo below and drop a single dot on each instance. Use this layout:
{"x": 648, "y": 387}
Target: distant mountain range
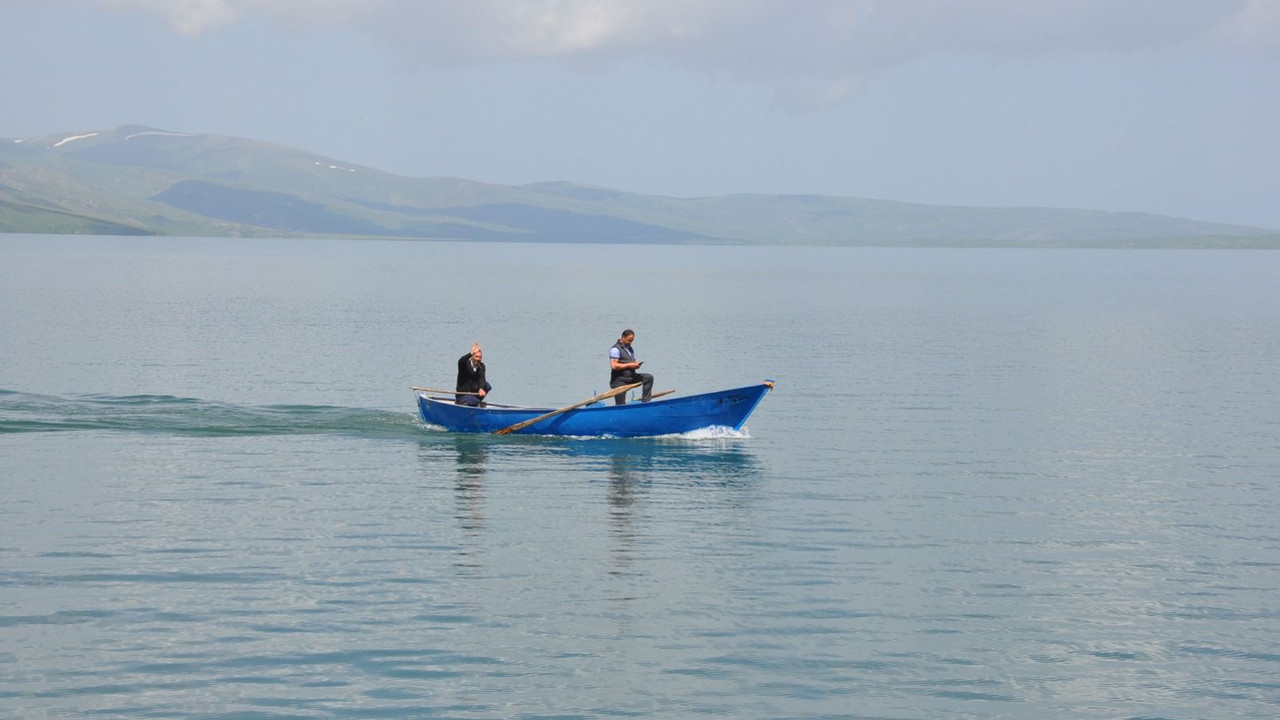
{"x": 142, "y": 181}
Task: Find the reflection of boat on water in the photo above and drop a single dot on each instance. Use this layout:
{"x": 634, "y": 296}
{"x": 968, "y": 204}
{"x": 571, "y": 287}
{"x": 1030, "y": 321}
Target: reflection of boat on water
{"x": 635, "y": 482}
{"x": 471, "y": 452}
{"x": 719, "y": 460}
{"x": 665, "y": 416}
{"x": 715, "y": 459}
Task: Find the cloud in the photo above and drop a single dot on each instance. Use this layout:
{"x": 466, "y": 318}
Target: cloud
{"x": 188, "y": 17}
{"x": 810, "y": 51}
{"x": 1255, "y": 28}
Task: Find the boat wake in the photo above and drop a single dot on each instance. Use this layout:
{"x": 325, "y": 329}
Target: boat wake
{"x": 167, "y": 414}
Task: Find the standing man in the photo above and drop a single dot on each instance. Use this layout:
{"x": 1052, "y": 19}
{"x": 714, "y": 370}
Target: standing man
{"x": 624, "y": 370}
{"x": 471, "y": 378}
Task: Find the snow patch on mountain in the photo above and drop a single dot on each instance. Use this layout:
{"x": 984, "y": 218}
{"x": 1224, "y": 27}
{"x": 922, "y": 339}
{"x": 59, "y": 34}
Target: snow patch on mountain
{"x": 72, "y": 138}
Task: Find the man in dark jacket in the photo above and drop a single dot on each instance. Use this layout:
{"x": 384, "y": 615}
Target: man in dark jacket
{"x": 624, "y": 370}
{"x": 471, "y": 378}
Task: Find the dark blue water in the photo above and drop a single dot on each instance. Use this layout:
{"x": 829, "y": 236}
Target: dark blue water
{"x": 989, "y": 484}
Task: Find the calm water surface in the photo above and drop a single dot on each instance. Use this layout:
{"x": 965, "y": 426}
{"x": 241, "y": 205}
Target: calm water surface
{"x": 989, "y": 484}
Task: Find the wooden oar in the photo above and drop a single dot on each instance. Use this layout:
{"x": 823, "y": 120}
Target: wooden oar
{"x": 483, "y": 405}
{"x": 567, "y": 408}
{"x": 450, "y": 392}
{"x": 660, "y": 394}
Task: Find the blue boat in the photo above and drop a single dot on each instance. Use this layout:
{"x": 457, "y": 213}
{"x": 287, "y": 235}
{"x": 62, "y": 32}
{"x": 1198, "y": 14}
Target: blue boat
{"x": 661, "y": 416}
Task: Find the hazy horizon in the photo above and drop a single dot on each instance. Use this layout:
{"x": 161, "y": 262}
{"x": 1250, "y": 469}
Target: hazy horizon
{"x": 1166, "y": 108}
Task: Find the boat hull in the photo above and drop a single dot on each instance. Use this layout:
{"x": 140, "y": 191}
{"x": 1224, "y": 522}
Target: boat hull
{"x": 667, "y": 416}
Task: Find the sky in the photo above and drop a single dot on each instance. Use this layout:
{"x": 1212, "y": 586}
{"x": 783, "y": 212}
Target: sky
{"x": 1162, "y": 106}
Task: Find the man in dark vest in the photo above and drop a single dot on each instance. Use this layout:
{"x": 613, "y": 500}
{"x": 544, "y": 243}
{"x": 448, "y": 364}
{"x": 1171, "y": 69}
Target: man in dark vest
{"x": 624, "y": 370}
{"x": 471, "y": 378}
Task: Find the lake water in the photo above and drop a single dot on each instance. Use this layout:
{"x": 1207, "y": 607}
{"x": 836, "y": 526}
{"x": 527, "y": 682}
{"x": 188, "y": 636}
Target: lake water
{"x": 989, "y": 484}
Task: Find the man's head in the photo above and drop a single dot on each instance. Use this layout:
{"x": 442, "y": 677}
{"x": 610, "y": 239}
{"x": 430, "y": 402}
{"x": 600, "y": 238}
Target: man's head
{"x": 476, "y": 353}
{"x": 628, "y": 335}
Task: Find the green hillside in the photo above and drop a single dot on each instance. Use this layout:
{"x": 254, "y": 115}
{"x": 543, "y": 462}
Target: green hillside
{"x": 139, "y": 180}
